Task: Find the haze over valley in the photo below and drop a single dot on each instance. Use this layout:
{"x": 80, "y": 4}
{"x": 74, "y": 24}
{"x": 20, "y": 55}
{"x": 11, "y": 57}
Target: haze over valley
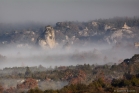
{"x": 70, "y": 43}
{"x": 69, "y": 46}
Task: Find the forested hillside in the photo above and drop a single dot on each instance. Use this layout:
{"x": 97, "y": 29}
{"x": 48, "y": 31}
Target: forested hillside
{"x": 92, "y": 78}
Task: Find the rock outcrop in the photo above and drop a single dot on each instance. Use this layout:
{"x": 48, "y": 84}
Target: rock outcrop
{"x": 2, "y": 57}
{"x": 119, "y": 34}
{"x": 136, "y": 44}
{"x": 47, "y": 39}
{"x": 126, "y": 26}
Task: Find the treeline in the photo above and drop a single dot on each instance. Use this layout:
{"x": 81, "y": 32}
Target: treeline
{"x": 95, "y": 26}
{"x": 98, "y": 24}
{"x": 117, "y": 22}
{"x": 99, "y": 86}
{"x": 83, "y": 78}
{"x": 42, "y": 73}
{"x": 128, "y": 83}
{"x": 73, "y": 74}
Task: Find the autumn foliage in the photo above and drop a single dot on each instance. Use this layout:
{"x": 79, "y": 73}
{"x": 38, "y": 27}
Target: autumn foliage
{"x": 28, "y": 84}
{"x": 1, "y": 89}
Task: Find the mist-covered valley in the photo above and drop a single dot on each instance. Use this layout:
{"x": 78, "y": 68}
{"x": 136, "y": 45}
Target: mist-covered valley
{"x": 69, "y": 46}
{"x": 69, "y": 43}
{"x": 67, "y": 53}
{"x": 94, "y": 54}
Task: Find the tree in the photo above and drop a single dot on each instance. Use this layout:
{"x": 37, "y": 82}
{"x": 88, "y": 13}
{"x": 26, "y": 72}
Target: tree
{"x": 127, "y": 82}
{"x": 50, "y": 91}
{"x": 1, "y": 89}
{"x": 36, "y": 90}
{"x": 135, "y": 81}
{"x": 28, "y": 73}
{"x": 115, "y": 82}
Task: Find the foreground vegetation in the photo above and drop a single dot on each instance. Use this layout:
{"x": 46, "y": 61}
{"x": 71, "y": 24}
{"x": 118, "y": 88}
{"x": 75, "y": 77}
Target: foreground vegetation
{"x": 86, "y": 78}
{"x": 130, "y": 83}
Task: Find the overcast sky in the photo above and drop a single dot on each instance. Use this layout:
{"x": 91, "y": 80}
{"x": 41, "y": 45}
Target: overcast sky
{"x": 12, "y": 11}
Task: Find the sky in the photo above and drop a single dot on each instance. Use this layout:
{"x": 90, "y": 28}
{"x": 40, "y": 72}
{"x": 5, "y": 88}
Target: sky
{"x": 18, "y": 11}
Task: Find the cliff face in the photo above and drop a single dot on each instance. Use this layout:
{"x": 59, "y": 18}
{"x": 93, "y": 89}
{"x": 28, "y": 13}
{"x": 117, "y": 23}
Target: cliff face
{"x": 47, "y": 39}
{"x": 109, "y": 31}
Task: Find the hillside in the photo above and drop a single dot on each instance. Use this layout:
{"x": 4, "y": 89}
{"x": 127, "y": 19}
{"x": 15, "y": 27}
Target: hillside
{"x": 107, "y": 31}
{"x": 70, "y": 57}
{"x": 68, "y": 75}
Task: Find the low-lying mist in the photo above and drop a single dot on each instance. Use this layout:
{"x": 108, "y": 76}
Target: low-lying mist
{"x": 43, "y": 85}
{"x": 92, "y": 54}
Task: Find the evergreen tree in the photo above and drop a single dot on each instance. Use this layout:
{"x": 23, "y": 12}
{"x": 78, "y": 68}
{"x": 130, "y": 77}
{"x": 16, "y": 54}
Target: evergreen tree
{"x": 28, "y": 73}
